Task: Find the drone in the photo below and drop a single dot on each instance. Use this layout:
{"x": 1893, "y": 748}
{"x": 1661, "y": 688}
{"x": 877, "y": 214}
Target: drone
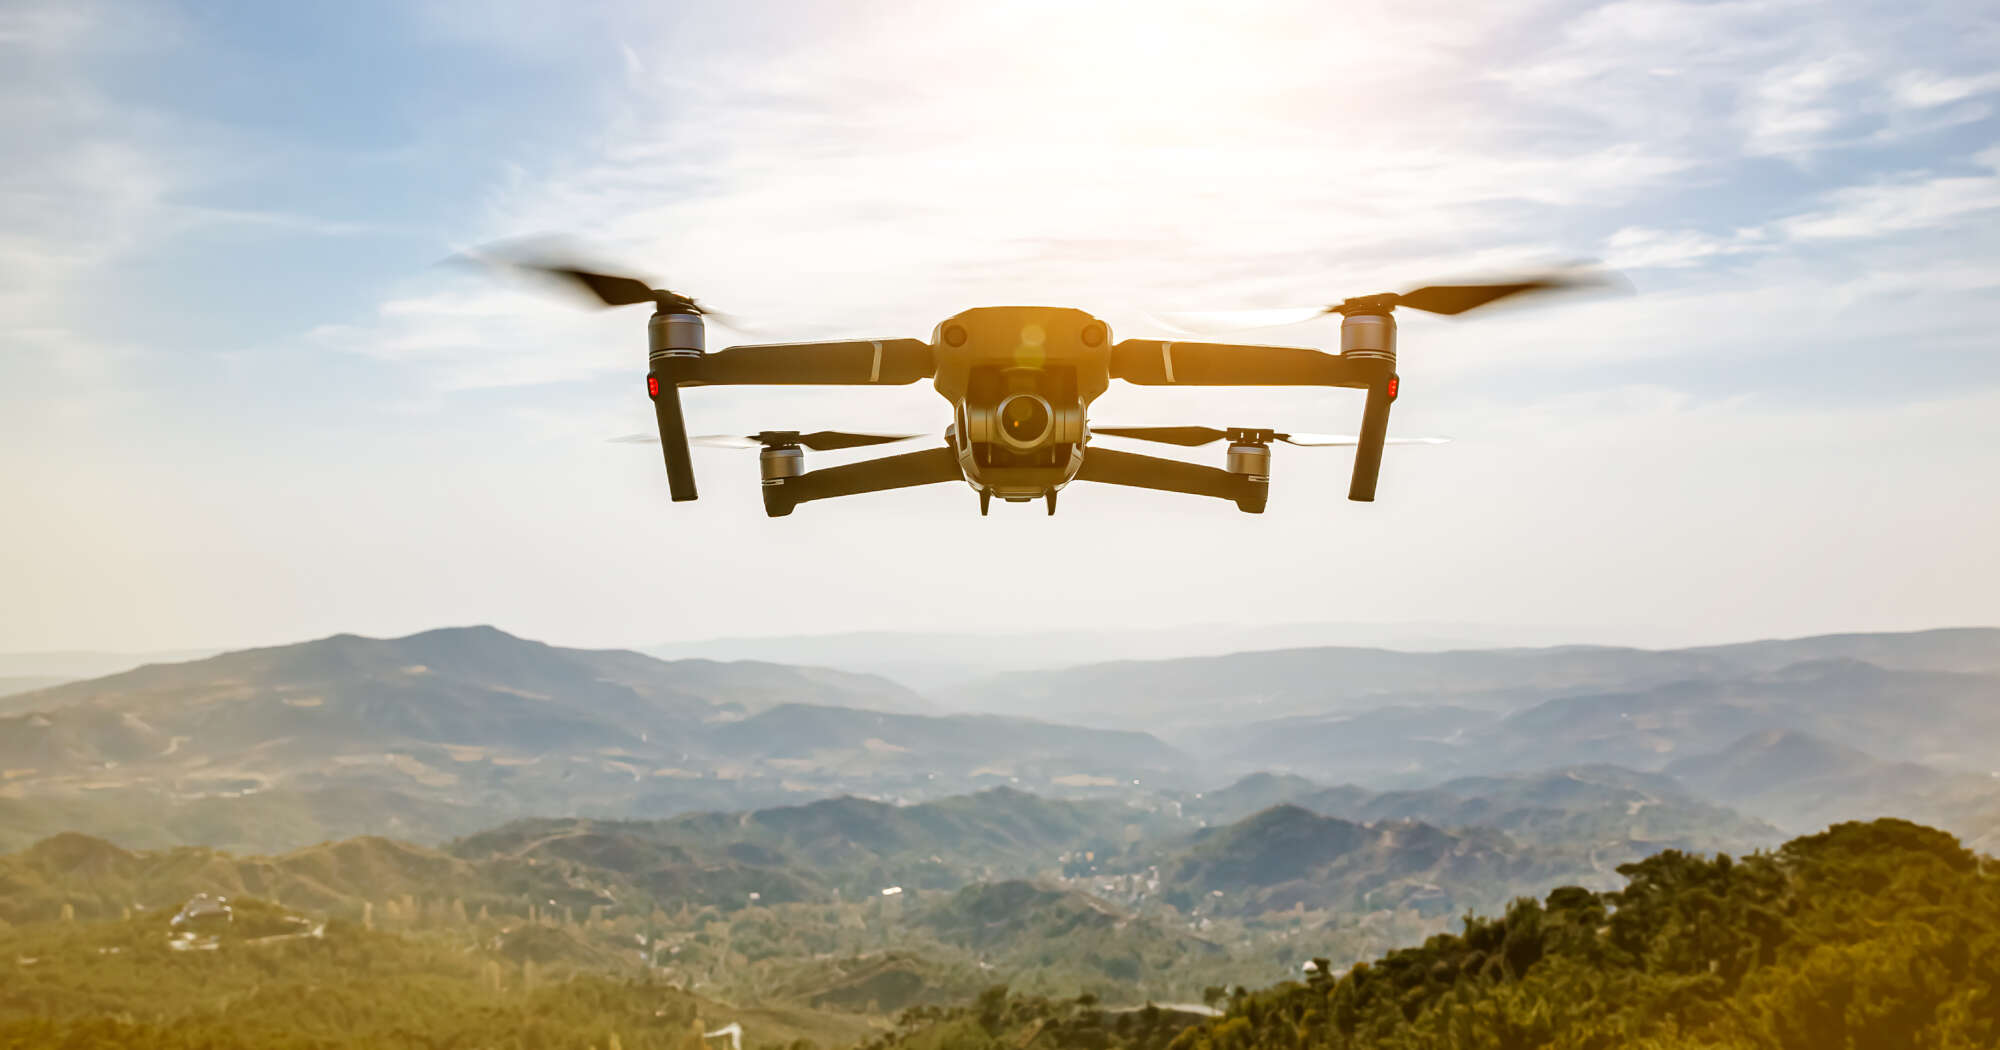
{"x": 1020, "y": 381}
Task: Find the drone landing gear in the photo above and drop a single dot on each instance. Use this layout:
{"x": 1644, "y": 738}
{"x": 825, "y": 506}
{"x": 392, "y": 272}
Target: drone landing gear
{"x": 986, "y": 501}
{"x": 1052, "y": 502}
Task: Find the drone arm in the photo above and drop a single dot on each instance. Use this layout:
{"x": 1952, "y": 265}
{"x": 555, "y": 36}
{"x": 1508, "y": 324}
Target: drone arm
{"x": 928, "y": 467}
{"x": 1371, "y": 367}
{"x": 1111, "y": 467}
{"x": 1159, "y": 362}
{"x": 855, "y": 362}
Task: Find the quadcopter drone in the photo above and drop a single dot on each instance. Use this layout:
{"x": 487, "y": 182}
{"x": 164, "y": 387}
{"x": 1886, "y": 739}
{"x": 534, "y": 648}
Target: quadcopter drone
{"x": 1020, "y": 380}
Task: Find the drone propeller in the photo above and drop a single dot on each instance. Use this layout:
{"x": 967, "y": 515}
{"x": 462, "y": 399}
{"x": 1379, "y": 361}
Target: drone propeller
{"x": 818, "y": 440}
{"x": 1188, "y": 437}
{"x": 607, "y": 289}
{"x": 1447, "y": 299}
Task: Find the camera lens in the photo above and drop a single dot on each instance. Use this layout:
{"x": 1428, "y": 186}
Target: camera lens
{"x": 1024, "y": 420}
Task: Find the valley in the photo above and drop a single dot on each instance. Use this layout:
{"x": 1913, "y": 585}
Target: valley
{"x": 828, "y": 850}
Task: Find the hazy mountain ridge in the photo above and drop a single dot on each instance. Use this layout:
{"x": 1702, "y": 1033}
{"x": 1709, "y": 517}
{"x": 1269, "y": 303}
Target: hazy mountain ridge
{"x": 1946, "y": 718}
{"x": 260, "y": 822}
{"x": 608, "y": 682}
{"x": 447, "y": 732}
{"x": 1317, "y": 682}
{"x": 14, "y": 685}
{"x": 1617, "y": 813}
{"x": 97, "y": 878}
{"x": 474, "y": 725}
{"x": 946, "y": 660}
{"x": 1333, "y": 681}
{"x": 1804, "y": 783}
{"x": 1846, "y": 701}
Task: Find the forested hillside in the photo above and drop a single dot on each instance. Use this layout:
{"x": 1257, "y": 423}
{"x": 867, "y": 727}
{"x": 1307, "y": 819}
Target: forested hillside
{"x": 1869, "y": 936}
{"x": 270, "y": 980}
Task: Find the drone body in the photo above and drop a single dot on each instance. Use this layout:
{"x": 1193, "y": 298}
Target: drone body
{"x": 1020, "y": 380}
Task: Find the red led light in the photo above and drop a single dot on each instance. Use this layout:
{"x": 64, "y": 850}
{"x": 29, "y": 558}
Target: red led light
{"x": 652, "y": 386}
{"x": 1394, "y": 382}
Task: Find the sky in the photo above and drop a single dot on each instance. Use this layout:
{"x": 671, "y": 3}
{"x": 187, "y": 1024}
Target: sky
{"x": 242, "y": 402}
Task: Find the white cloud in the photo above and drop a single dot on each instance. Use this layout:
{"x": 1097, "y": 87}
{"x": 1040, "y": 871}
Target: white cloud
{"x": 1912, "y": 202}
{"x": 82, "y": 184}
{"x": 1799, "y": 107}
{"x": 888, "y": 171}
{"x": 1642, "y": 247}
{"x": 90, "y": 181}
{"x": 1927, "y": 90}
{"x": 895, "y": 168}
{"x": 1783, "y": 78}
{"x": 44, "y": 28}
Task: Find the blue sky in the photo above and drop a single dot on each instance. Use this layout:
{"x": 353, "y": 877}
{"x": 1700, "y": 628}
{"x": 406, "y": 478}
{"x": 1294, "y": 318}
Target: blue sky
{"x": 243, "y": 404}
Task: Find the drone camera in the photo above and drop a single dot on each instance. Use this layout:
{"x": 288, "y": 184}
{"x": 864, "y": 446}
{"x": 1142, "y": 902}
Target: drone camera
{"x": 1025, "y": 421}
{"x": 1021, "y": 414}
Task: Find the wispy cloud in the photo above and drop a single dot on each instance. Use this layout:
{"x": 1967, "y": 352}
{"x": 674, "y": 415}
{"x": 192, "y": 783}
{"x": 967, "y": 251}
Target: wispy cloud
{"x": 1802, "y": 191}
{"x": 893, "y": 167}
{"x": 1920, "y": 90}
{"x": 83, "y": 183}
{"x": 1910, "y": 202}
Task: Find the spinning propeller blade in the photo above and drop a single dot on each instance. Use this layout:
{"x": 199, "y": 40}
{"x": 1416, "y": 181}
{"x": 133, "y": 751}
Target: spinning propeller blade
{"x": 1446, "y": 299}
{"x": 1452, "y": 299}
{"x": 610, "y": 289}
{"x": 818, "y": 440}
{"x": 546, "y": 258}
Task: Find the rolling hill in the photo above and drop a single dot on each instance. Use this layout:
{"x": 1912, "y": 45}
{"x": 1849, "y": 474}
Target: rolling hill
{"x": 850, "y": 845}
{"x": 1019, "y": 926}
{"x": 465, "y": 727}
{"x": 1874, "y": 935}
{"x": 129, "y": 981}
{"x": 1290, "y": 857}
{"x": 1619, "y": 814}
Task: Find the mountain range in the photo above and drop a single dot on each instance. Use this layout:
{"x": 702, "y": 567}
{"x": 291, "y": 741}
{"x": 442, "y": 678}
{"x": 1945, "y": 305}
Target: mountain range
{"x": 1002, "y": 859}
{"x": 1619, "y": 813}
{"x": 475, "y": 726}
{"x": 833, "y": 843}
{"x": 1409, "y": 719}
{"x": 1323, "y": 681}
{"x": 442, "y": 734}
{"x": 944, "y": 660}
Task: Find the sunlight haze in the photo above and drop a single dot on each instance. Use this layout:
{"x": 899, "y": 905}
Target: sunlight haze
{"x": 244, "y": 403}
